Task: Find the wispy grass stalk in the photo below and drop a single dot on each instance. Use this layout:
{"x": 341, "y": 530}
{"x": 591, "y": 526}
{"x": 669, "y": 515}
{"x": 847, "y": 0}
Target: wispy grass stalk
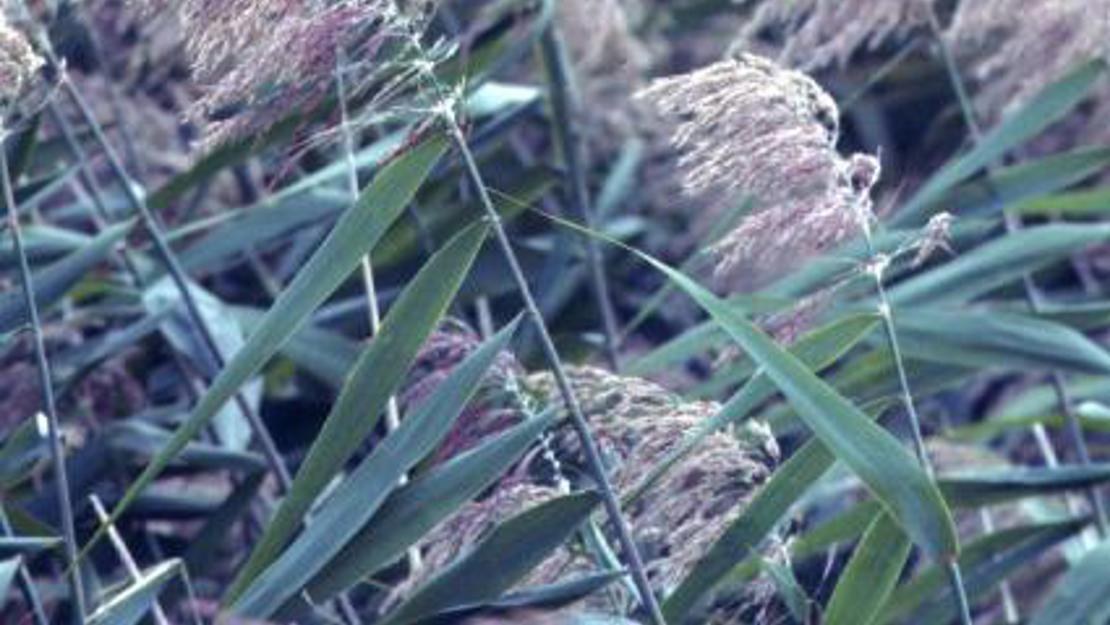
{"x": 124, "y": 555}
{"x": 1033, "y": 298}
{"x": 564, "y": 107}
{"x": 876, "y": 266}
{"x": 46, "y": 388}
{"x": 446, "y": 113}
{"x": 392, "y": 413}
{"x": 164, "y": 251}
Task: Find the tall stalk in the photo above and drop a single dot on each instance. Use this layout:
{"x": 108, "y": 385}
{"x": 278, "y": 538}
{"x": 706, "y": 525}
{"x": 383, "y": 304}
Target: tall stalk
{"x": 162, "y": 248}
{"x": 444, "y": 110}
{"x": 46, "y": 388}
{"x": 565, "y": 118}
{"x": 1033, "y": 298}
{"x": 876, "y": 267}
{"x": 392, "y": 413}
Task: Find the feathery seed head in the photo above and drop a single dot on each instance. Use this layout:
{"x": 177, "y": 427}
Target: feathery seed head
{"x": 744, "y": 123}
{"x": 19, "y": 63}
{"x": 637, "y": 424}
{"x": 1018, "y": 47}
{"x": 820, "y": 33}
{"x": 750, "y": 126}
{"x": 260, "y": 60}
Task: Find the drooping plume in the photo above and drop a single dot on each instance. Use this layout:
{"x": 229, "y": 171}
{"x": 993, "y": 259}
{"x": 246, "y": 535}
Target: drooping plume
{"x": 820, "y": 33}
{"x": 261, "y": 60}
{"x": 747, "y": 127}
{"x": 19, "y": 63}
{"x": 1015, "y": 48}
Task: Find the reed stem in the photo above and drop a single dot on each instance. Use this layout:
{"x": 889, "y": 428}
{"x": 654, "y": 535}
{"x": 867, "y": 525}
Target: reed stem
{"x": 46, "y": 388}
{"x": 566, "y": 129}
{"x": 445, "y": 111}
{"x": 877, "y": 265}
{"x": 578, "y": 419}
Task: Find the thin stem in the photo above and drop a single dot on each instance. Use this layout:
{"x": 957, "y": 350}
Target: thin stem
{"x": 578, "y": 419}
{"x": 956, "y": 580}
{"x": 566, "y": 127}
{"x": 877, "y": 266}
{"x": 886, "y": 311}
{"x": 445, "y": 110}
{"x": 1030, "y": 291}
{"x": 392, "y": 413}
{"x": 178, "y": 276}
{"x": 46, "y": 388}
{"x": 124, "y": 555}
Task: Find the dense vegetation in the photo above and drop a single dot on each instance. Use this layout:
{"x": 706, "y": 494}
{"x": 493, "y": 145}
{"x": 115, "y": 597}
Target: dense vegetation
{"x": 554, "y": 311}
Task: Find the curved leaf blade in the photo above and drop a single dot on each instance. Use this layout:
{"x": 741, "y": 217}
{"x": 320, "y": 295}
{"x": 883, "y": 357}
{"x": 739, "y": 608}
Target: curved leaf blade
{"x": 510, "y": 551}
{"x": 354, "y": 503}
{"x": 352, "y": 237}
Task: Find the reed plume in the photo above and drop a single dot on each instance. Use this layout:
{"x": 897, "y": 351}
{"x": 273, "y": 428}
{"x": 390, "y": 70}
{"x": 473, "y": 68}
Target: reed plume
{"x": 748, "y": 126}
{"x": 820, "y": 33}
{"x": 1015, "y": 48}
{"x": 19, "y": 63}
{"x": 637, "y": 423}
{"x": 259, "y": 61}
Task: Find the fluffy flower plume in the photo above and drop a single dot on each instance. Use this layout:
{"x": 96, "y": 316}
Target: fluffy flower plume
{"x": 637, "y": 423}
{"x": 1018, "y": 47}
{"x": 819, "y": 33}
{"x": 747, "y": 126}
{"x": 260, "y": 60}
{"x": 19, "y": 64}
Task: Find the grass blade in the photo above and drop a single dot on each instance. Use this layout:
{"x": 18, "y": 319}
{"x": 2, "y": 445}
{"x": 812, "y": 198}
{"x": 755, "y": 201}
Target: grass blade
{"x": 496, "y": 563}
{"x": 356, "y": 501}
{"x": 423, "y": 503}
{"x": 355, "y": 233}
{"x": 870, "y": 575}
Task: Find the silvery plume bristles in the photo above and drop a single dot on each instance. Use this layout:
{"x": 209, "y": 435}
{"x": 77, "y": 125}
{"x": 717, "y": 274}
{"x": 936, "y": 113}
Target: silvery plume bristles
{"x": 599, "y": 36}
{"x": 820, "y": 33}
{"x": 259, "y": 60}
{"x": 1017, "y": 47}
{"x": 19, "y": 64}
{"x": 746, "y": 126}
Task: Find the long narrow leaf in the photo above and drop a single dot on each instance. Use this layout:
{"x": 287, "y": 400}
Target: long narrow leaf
{"x": 873, "y": 454}
{"x": 353, "y": 504}
{"x": 355, "y": 234}
{"x": 1082, "y": 597}
{"x": 1045, "y": 108}
{"x": 870, "y": 575}
{"x": 52, "y": 282}
{"x": 377, "y": 374}
{"x": 501, "y": 559}
{"x": 420, "y": 505}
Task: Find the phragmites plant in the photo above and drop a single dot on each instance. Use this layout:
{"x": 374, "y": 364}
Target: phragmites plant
{"x": 637, "y": 424}
{"x": 813, "y": 34}
{"x": 732, "y": 367}
{"x": 19, "y": 64}
{"x": 260, "y": 61}
{"x": 1016, "y": 49}
{"x": 746, "y": 126}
